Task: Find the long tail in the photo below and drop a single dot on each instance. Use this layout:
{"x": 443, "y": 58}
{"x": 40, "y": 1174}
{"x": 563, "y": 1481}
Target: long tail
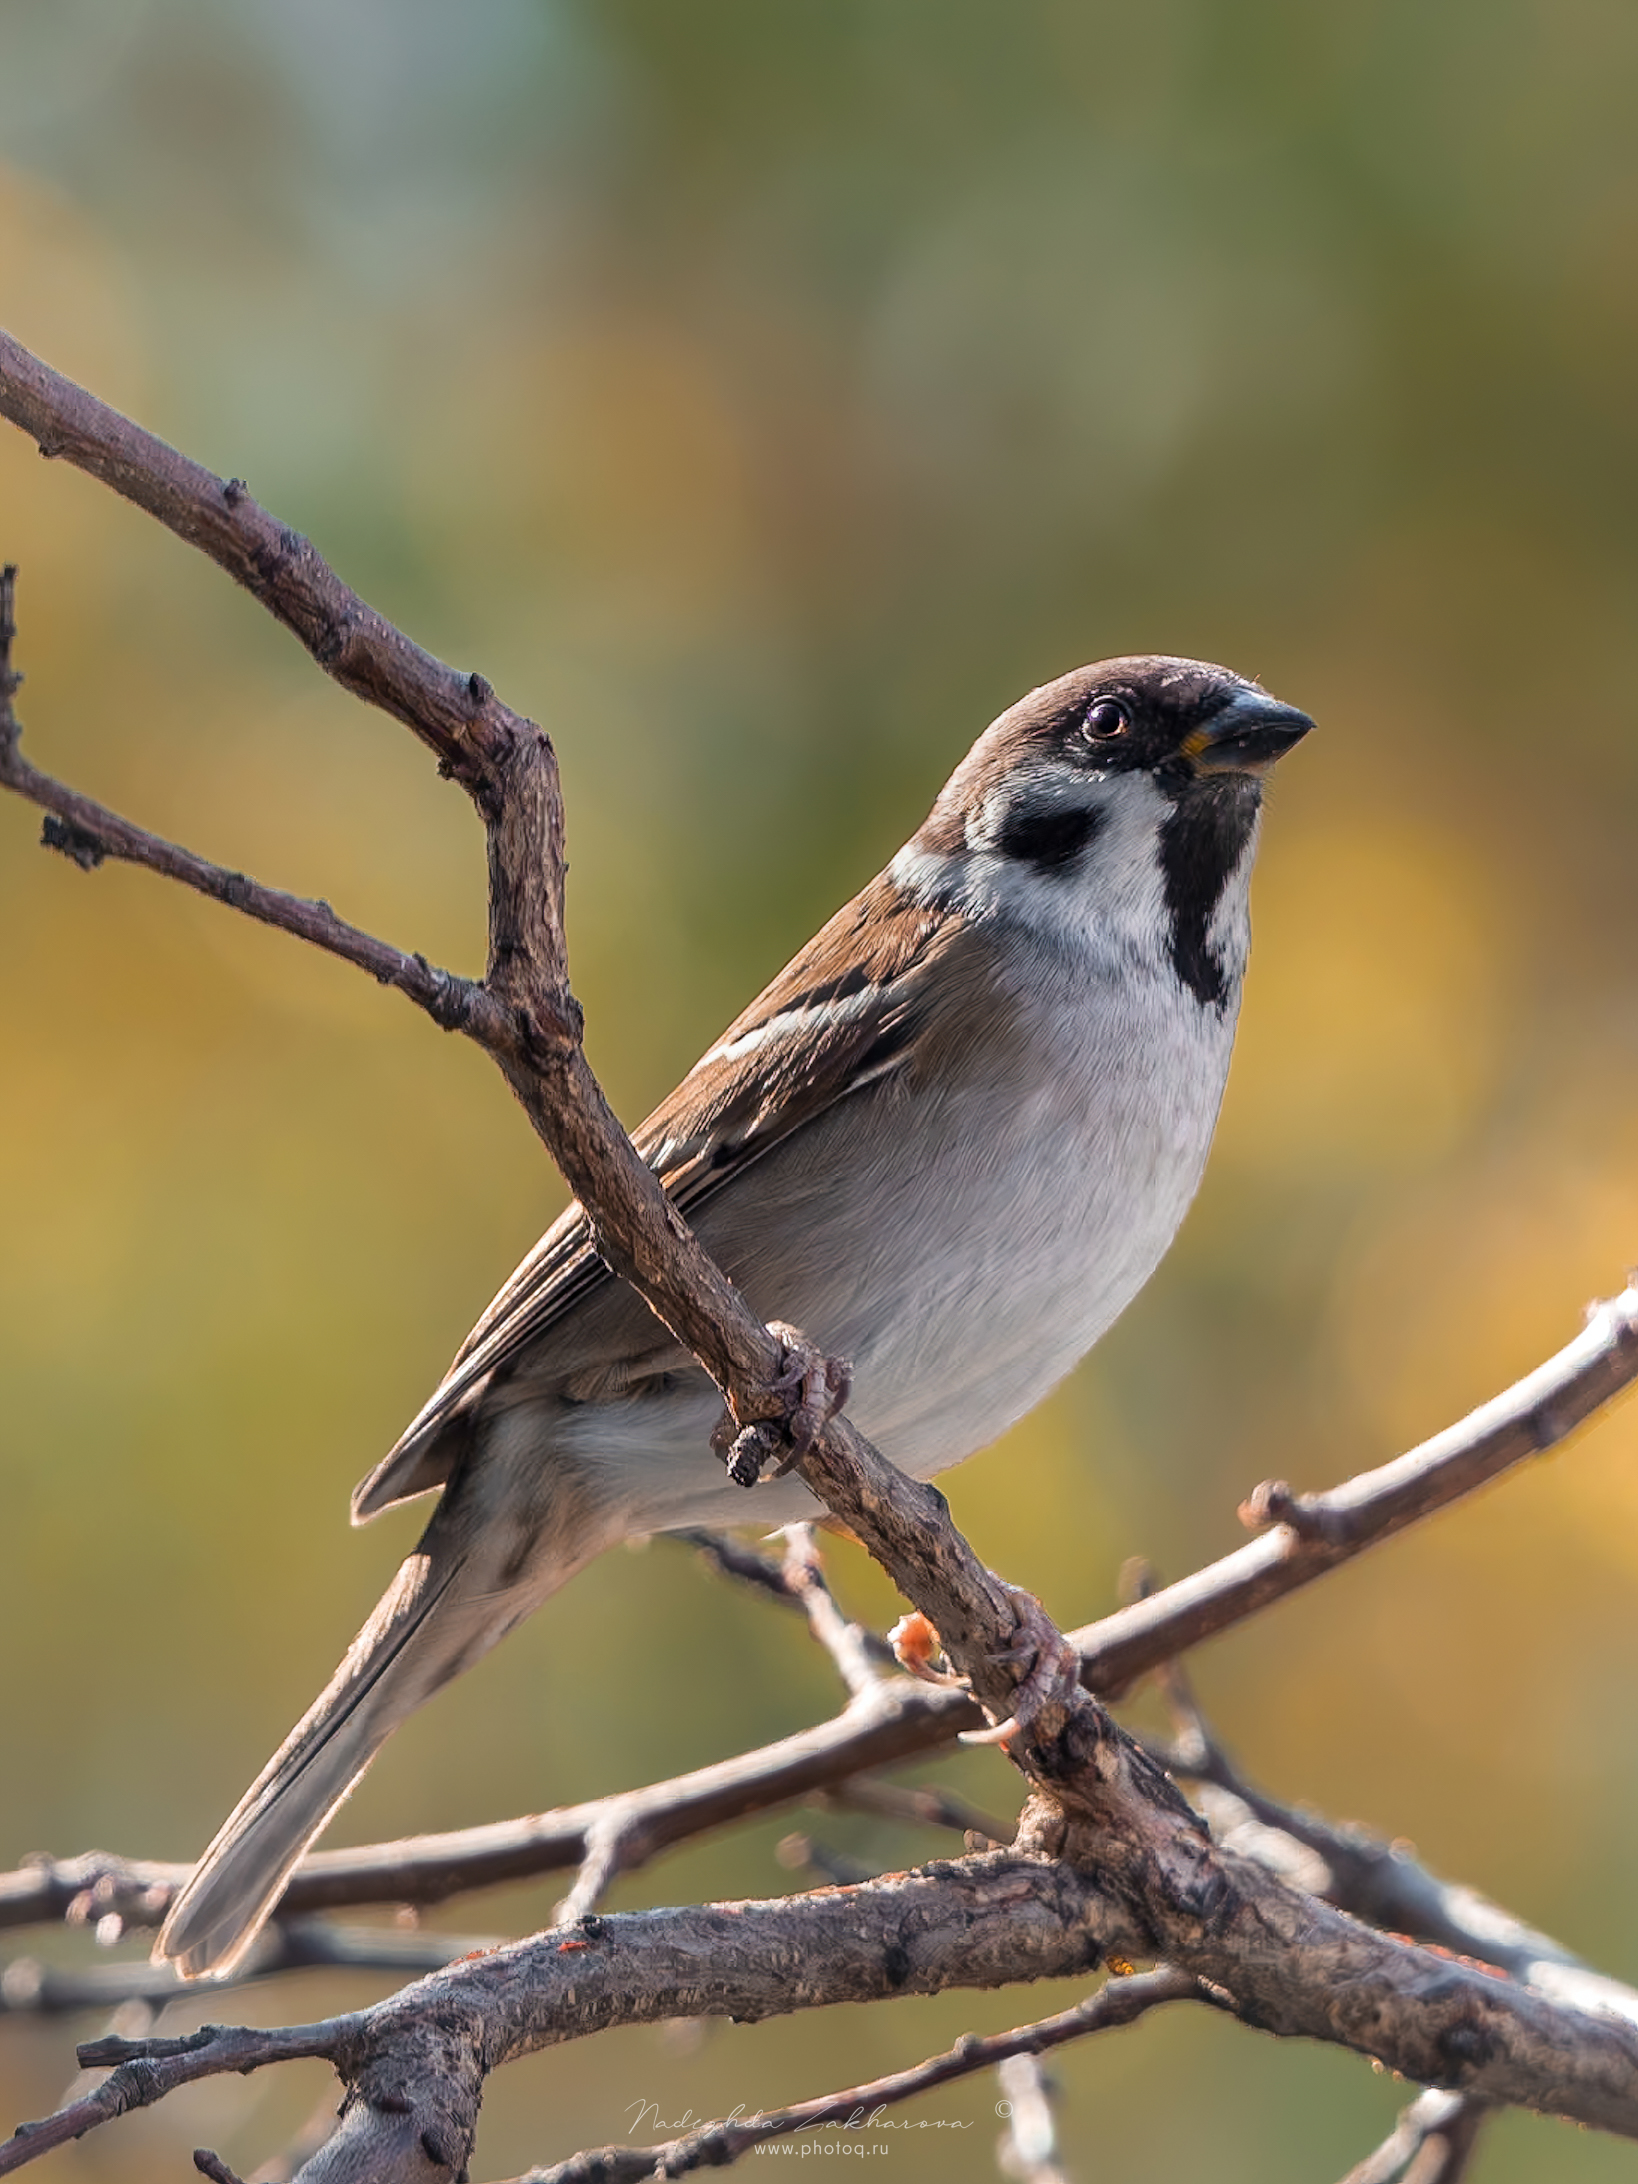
{"x": 435, "y": 1618}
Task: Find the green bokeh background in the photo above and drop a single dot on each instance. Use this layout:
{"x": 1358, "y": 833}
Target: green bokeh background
{"x": 763, "y": 396}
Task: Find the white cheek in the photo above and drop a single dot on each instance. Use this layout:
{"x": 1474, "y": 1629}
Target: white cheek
{"x": 1110, "y": 903}
{"x": 1106, "y": 909}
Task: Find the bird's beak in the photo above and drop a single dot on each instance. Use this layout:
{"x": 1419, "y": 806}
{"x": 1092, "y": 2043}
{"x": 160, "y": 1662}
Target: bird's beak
{"x": 1247, "y": 736}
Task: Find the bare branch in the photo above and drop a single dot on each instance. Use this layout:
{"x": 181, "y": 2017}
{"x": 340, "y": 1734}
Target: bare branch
{"x": 88, "y": 833}
{"x": 1430, "y": 2144}
{"x": 82, "y": 1889}
{"x": 1118, "y": 2002}
{"x": 800, "y": 1852}
{"x": 979, "y": 1922}
{"x": 924, "y": 1806}
{"x": 1532, "y": 1416}
{"x": 612, "y": 1842}
{"x": 858, "y": 1663}
{"x": 30, "y": 1988}
{"x": 10, "y": 681}
{"x": 731, "y": 1558}
{"x": 212, "y": 2165}
{"x": 860, "y": 1656}
{"x": 530, "y": 1024}
{"x": 1376, "y": 1880}
{"x": 279, "y": 568}
{"x": 782, "y": 1581}
{"x": 1283, "y": 1962}
{"x": 902, "y": 1720}
{"x": 142, "y": 2080}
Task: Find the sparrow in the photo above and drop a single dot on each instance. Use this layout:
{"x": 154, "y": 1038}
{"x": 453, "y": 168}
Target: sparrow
{"x": 950, "y": 1142}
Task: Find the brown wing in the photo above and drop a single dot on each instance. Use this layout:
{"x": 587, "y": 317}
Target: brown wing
{"x": 842, "y": 1014}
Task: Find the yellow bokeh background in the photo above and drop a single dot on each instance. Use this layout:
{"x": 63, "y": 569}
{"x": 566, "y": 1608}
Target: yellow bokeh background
{"x": 762, "y": 398}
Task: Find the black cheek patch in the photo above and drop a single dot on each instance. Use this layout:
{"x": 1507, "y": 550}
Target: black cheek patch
{"x": 1200, "y": 844}
{"x": 1047, "y": 836}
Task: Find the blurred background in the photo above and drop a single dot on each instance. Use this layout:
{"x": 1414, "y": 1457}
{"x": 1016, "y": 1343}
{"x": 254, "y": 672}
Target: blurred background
{"x": 763, "y": 397}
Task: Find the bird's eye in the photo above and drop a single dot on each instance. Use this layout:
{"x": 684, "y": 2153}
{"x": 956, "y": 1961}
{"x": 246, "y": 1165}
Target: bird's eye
{"x": 1106, "y": 719}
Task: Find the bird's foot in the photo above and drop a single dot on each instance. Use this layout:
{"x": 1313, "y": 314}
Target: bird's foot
{"x": 1055, "y": 1667}
{"x": 816, "y": 1387}
{"x": 819, "y": 1384}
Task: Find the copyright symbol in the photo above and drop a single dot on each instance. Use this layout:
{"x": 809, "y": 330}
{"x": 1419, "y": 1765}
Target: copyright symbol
{"x": 1003, "y": 2108}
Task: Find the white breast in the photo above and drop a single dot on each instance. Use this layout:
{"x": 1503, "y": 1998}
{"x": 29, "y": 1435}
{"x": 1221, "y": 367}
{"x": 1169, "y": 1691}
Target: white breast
{"x": 1075, "y": 1190}
{"x": 1005, "y": 1232}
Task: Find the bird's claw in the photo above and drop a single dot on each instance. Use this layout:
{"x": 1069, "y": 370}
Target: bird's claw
{"x": 818, "y": 1387}
{"x": 1055, "y": 1670}
{"x": 820, "y": 1384}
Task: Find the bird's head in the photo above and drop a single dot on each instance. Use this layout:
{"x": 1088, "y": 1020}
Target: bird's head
{"x": 1116, "y": 808}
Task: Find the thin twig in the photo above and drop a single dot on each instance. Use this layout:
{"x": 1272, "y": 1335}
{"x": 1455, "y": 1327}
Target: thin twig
{"x": 212, "y": 2165}
{"x": 1431, "y": 2143}
{"x": 731, "y": 1558}
{"x": 10, "y": 681}
{"x": 531, "y": 1023}
{"x": 139, "y": 2081}
{"x": 28, "y": 1987}
{"x": 862, "y": 1650}
{"x": 612, "y": 1843}
{"x": 88, "y": 833}
{"x": 924, "y": 1805}
{"x": 359, "y": 648}
{"x": 858, "y": 1665}
{"x": 1118, "y": 2002}
{"x": 800, "y": 1852}
{"x": 1526, "y": 1420}
{"x": 1375, "y": 1879}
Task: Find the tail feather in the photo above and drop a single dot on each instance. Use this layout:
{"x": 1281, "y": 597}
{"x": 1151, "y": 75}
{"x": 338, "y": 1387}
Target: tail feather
{"x": 403, "y": 1653}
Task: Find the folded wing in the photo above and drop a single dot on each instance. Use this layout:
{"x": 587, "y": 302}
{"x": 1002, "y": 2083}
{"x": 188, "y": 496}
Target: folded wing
{"x": 841, "y": 1015}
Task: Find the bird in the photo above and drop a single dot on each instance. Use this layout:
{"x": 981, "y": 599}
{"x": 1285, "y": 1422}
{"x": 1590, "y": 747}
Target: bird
{"x": 950, "y": 1141}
